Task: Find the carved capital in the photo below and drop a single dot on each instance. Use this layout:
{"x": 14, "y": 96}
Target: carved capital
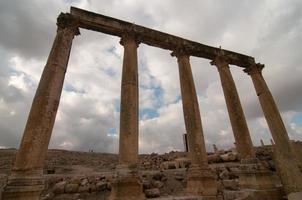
{"x": 67, "y": 21}
{"x": 220, "y": 61}
{"x": 255, "y": 68}
{"x": 130, "y": 35}
{"x": 180, "y": 51}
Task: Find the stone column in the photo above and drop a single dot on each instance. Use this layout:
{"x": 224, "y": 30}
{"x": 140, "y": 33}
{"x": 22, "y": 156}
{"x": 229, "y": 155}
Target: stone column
{"x": 128, "y": 142}
{"x": 200, "y": 178}
{"x": 127, "y": 185}
{"x": 241, "y": 132}
{"x": 26, "y": 181}
{"x": 287, "y": 164}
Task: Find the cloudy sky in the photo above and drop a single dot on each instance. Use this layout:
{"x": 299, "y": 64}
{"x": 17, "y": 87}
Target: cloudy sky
{"x": 88, "y": 115}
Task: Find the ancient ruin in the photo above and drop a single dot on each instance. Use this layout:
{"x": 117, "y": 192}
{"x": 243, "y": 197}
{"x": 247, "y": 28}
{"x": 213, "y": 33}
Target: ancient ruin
{"x": 26, "y": 180}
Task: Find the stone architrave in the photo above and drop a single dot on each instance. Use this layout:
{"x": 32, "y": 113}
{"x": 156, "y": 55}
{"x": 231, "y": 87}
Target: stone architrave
{"x": 26, "y": 180}
{"x": 201, "y": 180}
{"x": 128, "y": 185}
{"x": 287, "y": 164}
{"x": 240, "y": 129}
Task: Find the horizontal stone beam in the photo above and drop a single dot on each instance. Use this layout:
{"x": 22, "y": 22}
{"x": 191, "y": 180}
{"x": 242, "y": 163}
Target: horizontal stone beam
{"x": 112, "y": 26}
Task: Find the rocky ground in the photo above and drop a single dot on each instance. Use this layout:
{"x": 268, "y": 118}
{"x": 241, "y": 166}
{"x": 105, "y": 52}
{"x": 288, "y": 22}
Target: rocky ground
{"x": 88, "y": 175}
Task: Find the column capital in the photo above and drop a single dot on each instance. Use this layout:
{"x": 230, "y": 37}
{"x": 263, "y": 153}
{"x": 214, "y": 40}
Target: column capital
{"x": 129, "y": 35}
{"x": 220, "y": 61}
{"x": 180, "y": 51}
{"x": 67, "y": 21}
{"x": 255, "y": 68}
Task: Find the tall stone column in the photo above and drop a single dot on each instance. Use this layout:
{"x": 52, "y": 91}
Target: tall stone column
{"x": 289, "y": 171}
{"x": 201, "y": 180}
{"x": 252, "y": 174}
{"x": 241, "y": 132}
{"x": 26, "y": 180}
{"x": 127, "y": 185}
{"x": 128, "y": 143}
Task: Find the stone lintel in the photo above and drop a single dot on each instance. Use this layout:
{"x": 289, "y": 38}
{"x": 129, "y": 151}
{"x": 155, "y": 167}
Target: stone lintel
{"x": 112, "y": 26}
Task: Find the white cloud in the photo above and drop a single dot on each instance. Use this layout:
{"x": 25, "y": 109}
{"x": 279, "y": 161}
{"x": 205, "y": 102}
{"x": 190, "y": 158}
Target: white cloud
{"x": 89, "y": 107}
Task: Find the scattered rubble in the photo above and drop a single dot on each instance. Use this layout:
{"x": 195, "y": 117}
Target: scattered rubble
{"x": 88, "y": 175}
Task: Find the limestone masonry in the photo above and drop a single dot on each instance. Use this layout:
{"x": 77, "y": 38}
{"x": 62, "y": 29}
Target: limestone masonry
{"x": 27, "y": 181}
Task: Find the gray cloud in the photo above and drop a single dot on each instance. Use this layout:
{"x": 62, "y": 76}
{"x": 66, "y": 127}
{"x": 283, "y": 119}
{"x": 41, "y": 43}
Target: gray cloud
{"x": 269, "y": 31}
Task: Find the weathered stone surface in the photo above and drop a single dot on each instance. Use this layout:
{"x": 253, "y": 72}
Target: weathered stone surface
{"x": 197, "y": 151}
{"x": 26, "y": 181}
{"x": 229, "y": 157}
{"x": 179, "y": 176}
{"x": 36, "y": 136}
{"x": 128, "y": 142}
{"x": 67, "y": 197}
{"x": 146, "y": 184}
{"x": 236, "y": 195}
{"x": 59, "y": 188}
{"x": 152, "y": 37}
{"x": 158, "y": 176}
{"x": 126, "y": 188}
{"x": 295, "y": 196}
{"x": 169, "y": 165}
{"x": 232, "y": 184}
{"x": 242, "y": 136}
{"x": 253, "y": 175}
{"x": 71, "y": 188}
{"x": 83, "y": 188}
{"x": 196, "y": 182}
{"x": 101, "y": 186}
{"x": 287, "y": 165}
{"x": 157, "y": 184}
{"x": 152, "y": 193}
{"x": 182, "y": 162}
{"x": 201, "y": 182}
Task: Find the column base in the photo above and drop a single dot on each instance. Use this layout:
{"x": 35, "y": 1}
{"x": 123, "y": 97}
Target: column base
{"x": 201, "y": 182}
{"x": 127, "y": 185}
{"x": 250, "y": 194}
{"x": 295, "y": 196}
{"x": 270, "y": 194}
{"x": 258, "y": 181}
{"x": 253, "y": 175}
{"x": 24, "y": 186}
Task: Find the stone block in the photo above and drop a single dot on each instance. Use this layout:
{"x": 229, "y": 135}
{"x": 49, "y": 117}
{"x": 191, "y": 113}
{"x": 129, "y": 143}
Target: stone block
{"x": 127, "y": 187}
{"x": 71, "y": 188}
{"x": 59, "y": 187}
{"x": 295, "y": 196}
{"x": 152, "y": 193}
{"x": 232, "y": 184}
{"x": 201, "y": 182}
{"x": 101, "y": 186}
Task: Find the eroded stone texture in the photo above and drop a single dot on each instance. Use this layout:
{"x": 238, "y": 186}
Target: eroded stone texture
{"x": 289, "y": 171}
{"x": 109, "y": 25}
{"x": 127, "y": 185}
{"x": 128, "y": 146}
{"x": 242, "y": 136}
{"x": 252, "y": 174}
{"x": 200, "y": 180}
{"x": 26, "y": 180}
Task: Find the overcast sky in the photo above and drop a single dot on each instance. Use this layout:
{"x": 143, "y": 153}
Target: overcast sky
{"x": 88, "y": 115}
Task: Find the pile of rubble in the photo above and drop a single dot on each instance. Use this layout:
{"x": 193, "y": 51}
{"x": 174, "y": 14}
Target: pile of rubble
{"x": 74, "y": 187}
{"x": 162, "y": 175}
